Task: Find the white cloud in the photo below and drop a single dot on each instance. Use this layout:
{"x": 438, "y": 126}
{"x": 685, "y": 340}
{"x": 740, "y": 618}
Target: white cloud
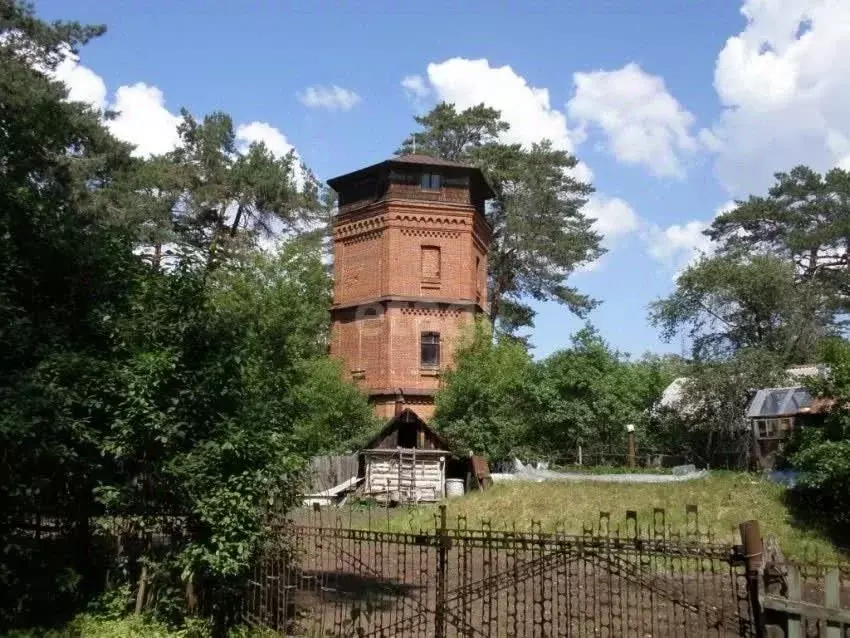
{"x": 680, "y": 245}
{"x": 614, "y": 217}
{"x": 143, "y": 120}
{"x": 140, "y": 118}
{"x": 582, "y": 172}
{"x": 332, "y": 98}
{"x": 263, "y": 132}
{"x": 725, "y": 208}
{"x": 642, "y": 122}
{"x": 415, "y": 86}
{"x": 526, "y": 108}
{"x": 783, "y": 82}
{"x": 84, "y": 85}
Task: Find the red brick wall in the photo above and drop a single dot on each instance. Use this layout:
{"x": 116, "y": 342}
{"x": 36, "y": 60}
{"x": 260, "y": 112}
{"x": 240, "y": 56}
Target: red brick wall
{"x": 378, "y": 255}
{"x": 356, "y": 261}
{"x": 456, "y": 262}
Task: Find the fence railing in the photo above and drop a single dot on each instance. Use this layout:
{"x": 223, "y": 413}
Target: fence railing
{"x": 339, "y": 580}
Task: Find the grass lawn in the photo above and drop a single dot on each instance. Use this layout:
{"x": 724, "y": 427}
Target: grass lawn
{"x": 724, "y": 500}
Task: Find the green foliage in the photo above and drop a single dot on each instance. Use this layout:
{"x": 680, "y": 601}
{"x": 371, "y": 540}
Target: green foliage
{"x": 708, "y": 425}
{"x": 822, "y": 453}
{"x": 452, "y": 135}
{"x": 779, "y": 280}
{"x": 486, "y": 398}
{"x": 804, "y": 219}
{"x": 728, "y": 303}
{"x": 499, "y": 402}
{"x": 96, "y": 626}
{"x": 134, "y": 400}
{"x": 540, "y": 234}
{"x": 824, "y": 483}
{"x": 589, "y": 393}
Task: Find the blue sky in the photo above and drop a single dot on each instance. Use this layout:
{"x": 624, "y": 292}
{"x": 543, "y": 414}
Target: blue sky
{"x": 675, "y": 108}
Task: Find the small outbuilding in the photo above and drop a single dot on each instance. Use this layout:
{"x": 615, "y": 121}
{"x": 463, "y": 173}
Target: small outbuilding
{"x": 409, "y": 461}
{"x": 773, "y": 414}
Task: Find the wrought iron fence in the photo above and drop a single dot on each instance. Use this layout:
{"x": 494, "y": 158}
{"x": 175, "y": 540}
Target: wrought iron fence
{"x": 335, "y": 579}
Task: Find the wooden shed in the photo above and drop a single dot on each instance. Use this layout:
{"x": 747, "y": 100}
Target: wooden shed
{"x": 774, "y": 413}
{"x": 409, "y": 461}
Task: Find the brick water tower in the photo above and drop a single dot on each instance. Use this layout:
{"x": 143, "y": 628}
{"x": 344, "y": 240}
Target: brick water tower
{"x": 410, "y": 269}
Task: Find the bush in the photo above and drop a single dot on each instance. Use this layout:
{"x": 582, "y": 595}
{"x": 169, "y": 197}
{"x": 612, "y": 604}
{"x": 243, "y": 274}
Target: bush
{"x": 824, "y": 485}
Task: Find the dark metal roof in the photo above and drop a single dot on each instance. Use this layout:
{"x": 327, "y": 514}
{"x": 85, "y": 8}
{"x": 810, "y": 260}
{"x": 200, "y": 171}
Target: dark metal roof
{"x": 769, "y": 402}
{"x": 413, "y": 160}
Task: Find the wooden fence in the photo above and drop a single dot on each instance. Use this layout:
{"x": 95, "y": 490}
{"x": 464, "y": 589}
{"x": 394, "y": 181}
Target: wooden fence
{"x": 329, "y": 471}
{"x": 805, "y": 599}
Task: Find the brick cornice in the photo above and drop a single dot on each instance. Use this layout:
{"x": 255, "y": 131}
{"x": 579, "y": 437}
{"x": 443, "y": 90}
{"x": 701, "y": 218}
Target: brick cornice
{"x": 407, "y": 392}
{"x": 464, "y": 304}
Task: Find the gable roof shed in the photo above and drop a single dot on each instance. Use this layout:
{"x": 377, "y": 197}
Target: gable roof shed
{"x": 775, "y": 402}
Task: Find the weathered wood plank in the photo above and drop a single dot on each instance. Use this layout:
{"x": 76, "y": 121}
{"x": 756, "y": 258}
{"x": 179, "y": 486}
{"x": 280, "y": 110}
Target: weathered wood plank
{"x": 832, "y": 586}
{"x": 809, "y": 610}
{"x": 795, "y": 593}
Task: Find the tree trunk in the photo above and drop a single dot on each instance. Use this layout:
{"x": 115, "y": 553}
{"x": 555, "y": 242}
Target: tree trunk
{"x": 140, "y": 593}
{"x": 237, "y": 220}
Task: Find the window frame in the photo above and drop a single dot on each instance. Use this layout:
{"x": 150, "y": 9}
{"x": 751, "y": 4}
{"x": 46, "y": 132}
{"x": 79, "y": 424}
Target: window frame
{"x": 427, "y": 181}
{"x": 429, "y": 339}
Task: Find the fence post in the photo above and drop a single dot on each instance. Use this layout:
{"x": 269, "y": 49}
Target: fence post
{"x": 443, "y": 542}
{"x": 753, "y": 554}
{"x": 832, "y": 586}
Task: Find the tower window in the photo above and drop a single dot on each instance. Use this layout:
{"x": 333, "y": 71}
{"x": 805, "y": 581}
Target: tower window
{"x": 429, "y": 351}
{"x": 430, "y": 262}
{"x": 430, "y": 182}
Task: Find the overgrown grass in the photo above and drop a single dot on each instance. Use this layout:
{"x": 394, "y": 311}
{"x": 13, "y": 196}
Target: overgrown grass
{"x": 724, "y": 500}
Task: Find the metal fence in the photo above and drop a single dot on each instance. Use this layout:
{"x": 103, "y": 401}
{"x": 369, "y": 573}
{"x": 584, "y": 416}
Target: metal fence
{"x": 348, "y": 580}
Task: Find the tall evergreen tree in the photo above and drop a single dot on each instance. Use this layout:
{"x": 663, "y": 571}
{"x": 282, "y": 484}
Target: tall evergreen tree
{"x": 540, "y": 234}
{"x": 780, "y": 278}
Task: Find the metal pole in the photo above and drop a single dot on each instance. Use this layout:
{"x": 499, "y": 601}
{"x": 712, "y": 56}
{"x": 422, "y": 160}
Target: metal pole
{"x": 442, "y": 555}
{"x": 632, "y": 449}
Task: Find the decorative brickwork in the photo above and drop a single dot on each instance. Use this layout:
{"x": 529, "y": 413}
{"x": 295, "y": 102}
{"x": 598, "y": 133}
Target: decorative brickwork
{"x": 408, "y": 262}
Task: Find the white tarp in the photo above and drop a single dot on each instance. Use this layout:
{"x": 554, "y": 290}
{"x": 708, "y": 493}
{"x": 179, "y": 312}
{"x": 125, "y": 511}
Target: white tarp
{"x": 523, "y": 472}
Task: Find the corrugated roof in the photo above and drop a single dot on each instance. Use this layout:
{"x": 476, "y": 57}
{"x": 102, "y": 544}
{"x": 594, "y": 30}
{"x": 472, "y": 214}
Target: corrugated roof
{"x": 770, "y": 402}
